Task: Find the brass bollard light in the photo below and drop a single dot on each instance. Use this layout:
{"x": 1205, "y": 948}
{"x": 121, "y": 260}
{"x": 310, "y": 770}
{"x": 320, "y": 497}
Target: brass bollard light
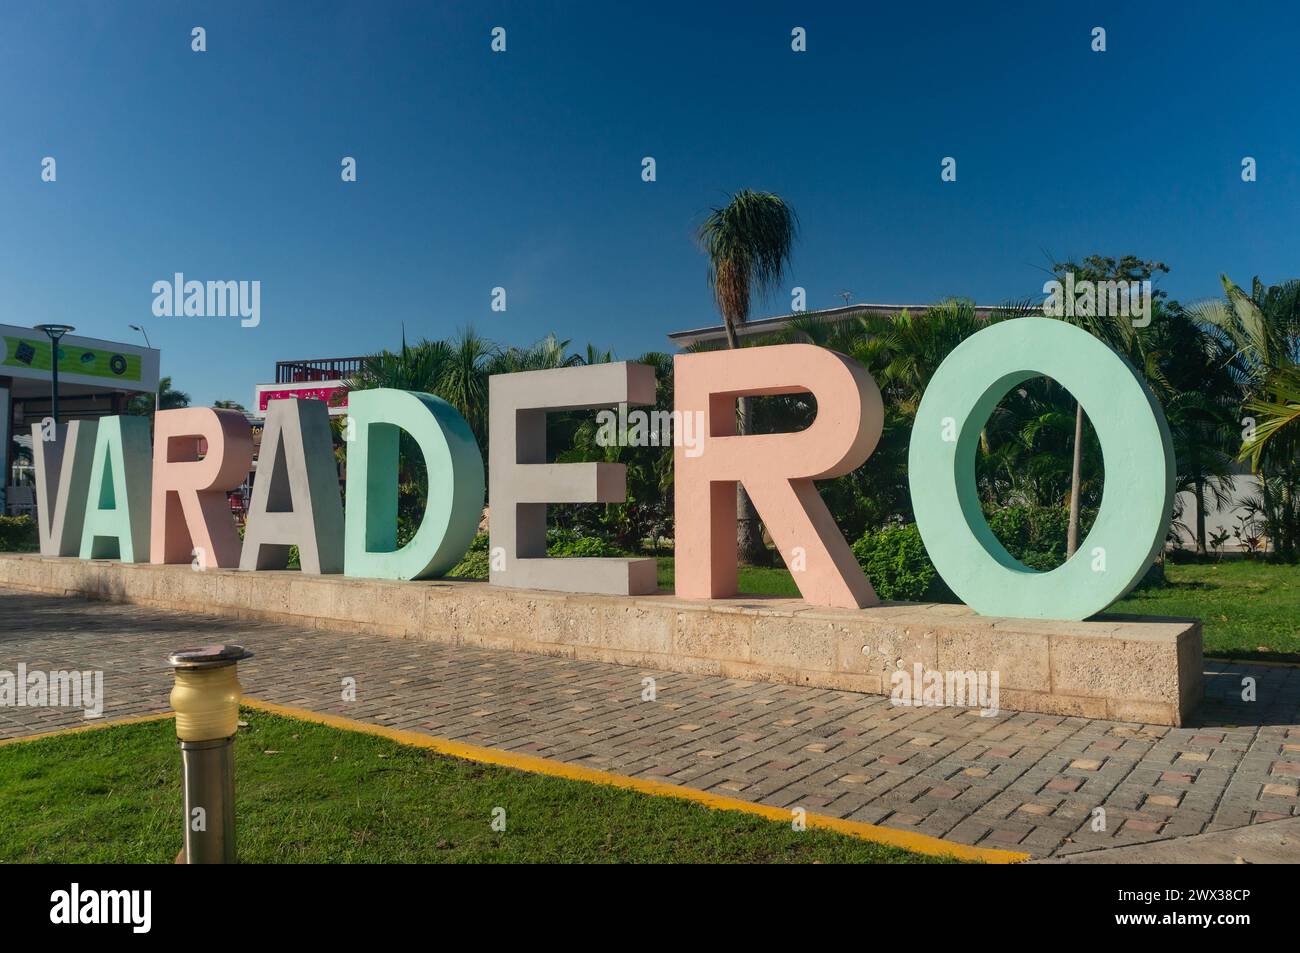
{"x": 206, "y": 699}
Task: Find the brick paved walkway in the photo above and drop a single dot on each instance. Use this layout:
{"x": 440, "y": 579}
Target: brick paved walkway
{"x": 1014, "y": 780}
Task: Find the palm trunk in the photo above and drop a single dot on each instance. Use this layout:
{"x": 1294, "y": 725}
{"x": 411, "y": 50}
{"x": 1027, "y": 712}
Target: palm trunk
{"x": 1288, "y": 501}
{"x": 1072, "y": 532}
{"x": 1281, "y": 524}
{"x": 1199, "y": 489}
{"x": 749, "y": 532}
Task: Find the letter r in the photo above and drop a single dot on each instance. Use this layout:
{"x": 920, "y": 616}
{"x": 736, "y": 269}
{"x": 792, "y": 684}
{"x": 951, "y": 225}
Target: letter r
{"x": 777, "y": 470}
{"x": 189, "y": 492}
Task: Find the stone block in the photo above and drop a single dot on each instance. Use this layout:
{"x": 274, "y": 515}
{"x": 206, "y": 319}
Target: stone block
{"x": 1121, "y": 668}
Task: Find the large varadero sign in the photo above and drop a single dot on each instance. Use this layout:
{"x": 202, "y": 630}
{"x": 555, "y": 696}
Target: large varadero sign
{"x": 105, "y": 493}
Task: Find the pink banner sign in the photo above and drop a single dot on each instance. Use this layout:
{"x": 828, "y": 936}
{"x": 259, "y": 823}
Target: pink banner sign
{"x": 334, "y": 394}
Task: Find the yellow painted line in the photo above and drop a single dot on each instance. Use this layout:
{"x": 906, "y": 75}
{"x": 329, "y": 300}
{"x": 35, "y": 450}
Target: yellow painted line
{"x": 89, "y": 726}
{"x": 1241, "y": 661}
{"x": 908, "y": 840}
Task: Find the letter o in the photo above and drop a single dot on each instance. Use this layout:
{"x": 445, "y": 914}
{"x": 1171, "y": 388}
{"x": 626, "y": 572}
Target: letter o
{"x": 1137, "y": 498}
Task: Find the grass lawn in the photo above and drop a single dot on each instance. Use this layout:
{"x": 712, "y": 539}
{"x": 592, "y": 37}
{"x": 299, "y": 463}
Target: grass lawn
{"x": 753, "y": 580}
{"x": 1250, "y": 609}
{"x": 308, "y": 793}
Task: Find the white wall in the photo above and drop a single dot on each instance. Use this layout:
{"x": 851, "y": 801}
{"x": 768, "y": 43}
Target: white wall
{"x": 1244, "y": 486}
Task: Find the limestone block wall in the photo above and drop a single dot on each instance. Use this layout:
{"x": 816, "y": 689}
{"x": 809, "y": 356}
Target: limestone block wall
{"x": 1124, "y": 668}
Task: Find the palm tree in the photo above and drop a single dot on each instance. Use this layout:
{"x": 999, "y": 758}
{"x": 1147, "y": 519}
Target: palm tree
{"x": 416, "y": 368}
{"x": 142, "y": 405}
{"x": 1260, "y": 333}
{"x": 1279, "y": 430}
{"x": 1184, "y": 366}
{"x": 1265, "y": 327}
{"x": 547, "y": 354}
{"x": 748, "y": 242}
{"x": 462, "y": 379}
{"x": 1111, "y": 329}
{"x": 909, "y": 348}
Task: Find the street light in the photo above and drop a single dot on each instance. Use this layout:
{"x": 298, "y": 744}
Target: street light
{"x": 54, "y": 332}
{"x": 136, "y": 327}
{"x": 205, "y": 696}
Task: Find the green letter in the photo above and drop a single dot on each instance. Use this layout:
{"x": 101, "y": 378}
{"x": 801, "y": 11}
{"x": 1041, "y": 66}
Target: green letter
{"x": 455, "y": 469}
{"x": 1136, "y": 504}
{"x": 118, "y": 501}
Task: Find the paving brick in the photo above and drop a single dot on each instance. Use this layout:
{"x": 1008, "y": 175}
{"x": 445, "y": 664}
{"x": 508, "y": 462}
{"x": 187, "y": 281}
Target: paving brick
{"x": 1063, "y": 785}
{"x": 999, "y": 781}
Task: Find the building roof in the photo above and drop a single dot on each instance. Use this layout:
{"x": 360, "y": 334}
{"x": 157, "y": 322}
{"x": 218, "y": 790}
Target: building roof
{"x": 717, "y": 332}
{"x": 86, "y": 365}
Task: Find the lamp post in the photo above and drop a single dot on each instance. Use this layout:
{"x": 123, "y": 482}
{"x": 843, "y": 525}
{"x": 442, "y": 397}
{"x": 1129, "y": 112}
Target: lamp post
{"x": 54, "y": 332}
{"x": 156, "y": 394}
{"x": 206, "y": 699}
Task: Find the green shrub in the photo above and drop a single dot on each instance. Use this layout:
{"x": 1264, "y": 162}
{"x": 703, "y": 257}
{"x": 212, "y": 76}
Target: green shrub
{"x": 1036, "y": 535}
{"x": 898, "y": 566}
{"x": 895, "y": 560}
{"x": 474, "y": 564}
{"x": 18, "y": 534}
{"x": 560, "y": 543}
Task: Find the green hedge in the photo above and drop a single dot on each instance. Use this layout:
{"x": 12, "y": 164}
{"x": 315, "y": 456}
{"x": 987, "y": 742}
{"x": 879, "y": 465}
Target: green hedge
{"x": 18, "y": 534}
{"x": 895, "y": 560}
{"x": 568, "y": 543}
{"x": 1036, "y": 535}
{"x": 558, "y": 543}
{"x": 474, "y": 564}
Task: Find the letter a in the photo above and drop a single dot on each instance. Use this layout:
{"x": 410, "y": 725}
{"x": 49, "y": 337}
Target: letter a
{"x": 117, "y": 501}
{"x": 296, "y": 495}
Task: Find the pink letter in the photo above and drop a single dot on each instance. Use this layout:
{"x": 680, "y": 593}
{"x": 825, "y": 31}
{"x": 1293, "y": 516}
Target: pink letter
{"x": 190, "y": 514}
{"x": 777, "y": 470}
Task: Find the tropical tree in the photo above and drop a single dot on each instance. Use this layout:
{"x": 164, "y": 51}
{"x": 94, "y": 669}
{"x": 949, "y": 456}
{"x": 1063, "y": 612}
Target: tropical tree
{"x": 417, "y": 367}
{"x": 462, "y": 378}
{"x": 413, "y": 367}
{"x": 1264, "y": 326}
{"x": 548, "y": 353}
{"x": 647, "y": 511}
{"x": 1260, "y": 334}
{"x": 902, "y": 351}
{"x": 1184, "y": 367}
{"x": 748, "y": 242}
{"x": 1279, "y": 411}
{"x": 456, "y": 370}
{"x": 142, "y": 405}
{"x": 1112, "y": 329}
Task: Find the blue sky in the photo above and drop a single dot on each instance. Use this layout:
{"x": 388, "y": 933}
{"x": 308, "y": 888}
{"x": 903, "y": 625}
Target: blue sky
{"x": 522, "y": 169}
